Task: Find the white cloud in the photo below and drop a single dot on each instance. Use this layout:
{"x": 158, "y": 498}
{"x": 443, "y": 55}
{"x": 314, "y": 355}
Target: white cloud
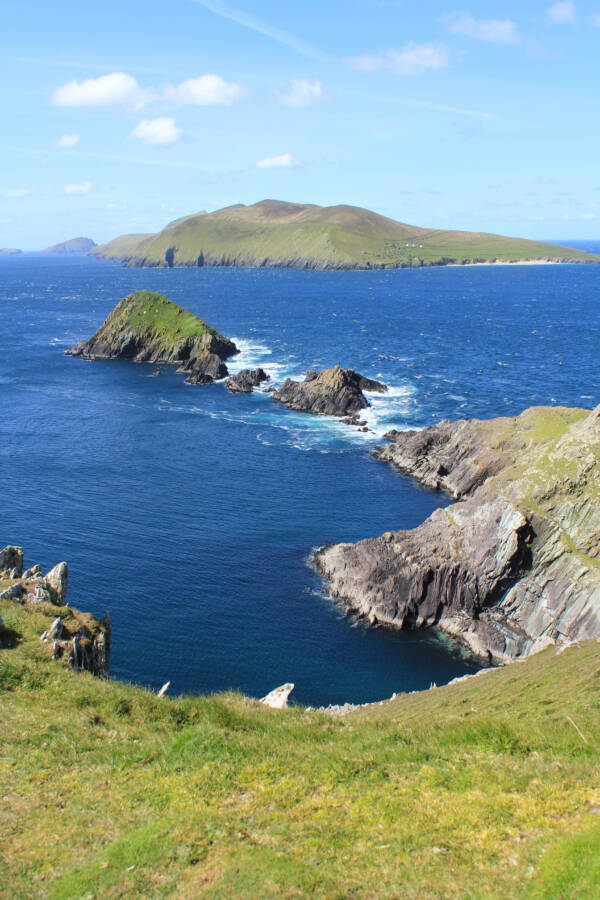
{"x": 285, "y": 161}
{"x": 301, "y": 92}
{"x": 76, "y": 189}
{"x": 116, "y": 89}
{"x": 111, "y": 206}
{"x": 207, "y": 90}
{"x": 494, "y": 31}
{"x": 161, "y": 131}
{"x": 17, "y": 193}
{"x": 413, "y": 59}
{"x": 562, "y": 13}
{"x": 67, "y": 140}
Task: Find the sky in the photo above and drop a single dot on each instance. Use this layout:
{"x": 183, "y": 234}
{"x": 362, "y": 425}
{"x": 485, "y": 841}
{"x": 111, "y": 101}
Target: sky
{"x": 118, "y": 117}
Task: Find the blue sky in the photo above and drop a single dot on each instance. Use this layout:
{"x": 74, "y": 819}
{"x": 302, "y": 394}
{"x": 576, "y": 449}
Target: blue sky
{"x": 118, "y": 117}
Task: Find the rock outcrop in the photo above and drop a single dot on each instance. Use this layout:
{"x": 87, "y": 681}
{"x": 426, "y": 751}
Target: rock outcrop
{"x": 147, "y": 327}
{"x": 246, "y": 380}
{"x": 331, "y": 392}
{"x": 79, "y": 639}
{"x": 515, "y": 564}
{"x": 11, "y": 561}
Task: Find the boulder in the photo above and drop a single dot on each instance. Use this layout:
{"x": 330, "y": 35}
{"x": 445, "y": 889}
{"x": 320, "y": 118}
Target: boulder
{"x": 332, "y": 392}
{"x": 278, "y": 698}
{"x": 57, "y": 581}
{"x": 246, "y": 380}
{"x": 11, "y": 559}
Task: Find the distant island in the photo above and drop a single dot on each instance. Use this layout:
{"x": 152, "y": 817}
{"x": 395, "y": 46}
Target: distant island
{"x": 148, "y": 327}
{"x": 9, "y": 251}
{"x": 305, "y": 236}
{"x": 74, "y": 245}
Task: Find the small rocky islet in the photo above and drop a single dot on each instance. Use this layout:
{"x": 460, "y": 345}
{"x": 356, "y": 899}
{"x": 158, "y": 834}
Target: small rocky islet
{"x": 148, "y": 327}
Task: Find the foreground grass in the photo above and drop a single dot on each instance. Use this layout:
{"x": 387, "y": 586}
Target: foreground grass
{"x": 485, "y": 789}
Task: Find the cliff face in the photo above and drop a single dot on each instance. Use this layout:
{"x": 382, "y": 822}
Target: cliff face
{"x": 147, "y": 327}
{"x": 511, "y": 567}
{"x": 332, "y": 392}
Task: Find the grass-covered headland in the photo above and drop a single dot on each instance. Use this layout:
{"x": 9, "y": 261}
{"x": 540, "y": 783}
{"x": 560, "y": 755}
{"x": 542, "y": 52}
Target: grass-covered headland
{"x": 489, "y": 788}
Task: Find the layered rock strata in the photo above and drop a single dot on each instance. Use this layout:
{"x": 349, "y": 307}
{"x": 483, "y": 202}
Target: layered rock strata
{"x": 148, "y": 327}
{"x": 331, "y": 392}
{"x": 515, "y": 564}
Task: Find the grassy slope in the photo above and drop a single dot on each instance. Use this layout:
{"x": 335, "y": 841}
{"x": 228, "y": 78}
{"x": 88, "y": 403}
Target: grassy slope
{"x": 154, "y": 316}
{"x": 484, "y": 789}
{"x": 337, "y": 236}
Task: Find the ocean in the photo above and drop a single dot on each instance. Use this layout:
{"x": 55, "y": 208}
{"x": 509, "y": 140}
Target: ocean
{"x": 190, "y": 513}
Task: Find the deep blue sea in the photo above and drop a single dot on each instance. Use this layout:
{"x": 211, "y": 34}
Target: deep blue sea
{"x": 191, "y": 513}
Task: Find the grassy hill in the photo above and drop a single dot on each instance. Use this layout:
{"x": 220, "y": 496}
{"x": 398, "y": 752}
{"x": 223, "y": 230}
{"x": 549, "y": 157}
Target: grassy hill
{"x": 487, "y": 788}
{"x": 275, "y": 233}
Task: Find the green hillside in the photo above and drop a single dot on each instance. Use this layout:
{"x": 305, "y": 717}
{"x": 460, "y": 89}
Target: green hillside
{"x": 275, "y": 233}
{"x": 487, "y": 788}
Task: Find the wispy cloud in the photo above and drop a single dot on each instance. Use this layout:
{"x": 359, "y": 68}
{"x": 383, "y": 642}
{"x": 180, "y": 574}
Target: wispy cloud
{"x": 17, "y": 193}
{"x": 78, "y": 189}
{"x": 301, "y": 92}
{"x": 413, "y": 59}
{"x": 254, "y": 24}
{"x": 493, "y": 31}
{"x": 595, "y": 20}
{"x": 563, "y": 13}
{"x": 161, "y": 131}
{"x": 66, "y": 141}
{"x": 284, "y": 161}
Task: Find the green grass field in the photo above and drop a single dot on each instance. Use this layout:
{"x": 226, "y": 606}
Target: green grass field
{"x": 489, "y": 788}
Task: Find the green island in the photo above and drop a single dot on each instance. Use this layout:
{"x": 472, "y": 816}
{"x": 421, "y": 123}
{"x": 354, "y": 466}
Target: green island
{"x": 148, "y": 327}
{"x": 294, "y": 235}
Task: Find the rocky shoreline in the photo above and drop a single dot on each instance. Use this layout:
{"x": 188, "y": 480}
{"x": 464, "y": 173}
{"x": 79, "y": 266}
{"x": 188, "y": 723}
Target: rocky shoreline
{"x": 510, "y": 568}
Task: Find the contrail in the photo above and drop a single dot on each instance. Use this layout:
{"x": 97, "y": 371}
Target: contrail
{"x": 250, "y": 21}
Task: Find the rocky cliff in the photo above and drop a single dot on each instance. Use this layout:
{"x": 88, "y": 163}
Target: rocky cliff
{"x": 515, "y": 563}
{"x": 147, "y": 327}
{"x": 332, "y": 392}
{"x": 78, "y": 639}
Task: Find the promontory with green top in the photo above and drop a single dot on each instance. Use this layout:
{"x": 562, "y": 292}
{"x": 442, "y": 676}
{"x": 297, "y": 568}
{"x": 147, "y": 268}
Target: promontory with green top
{"x": 306, "y": 236}
{"x": 148, "y": 327}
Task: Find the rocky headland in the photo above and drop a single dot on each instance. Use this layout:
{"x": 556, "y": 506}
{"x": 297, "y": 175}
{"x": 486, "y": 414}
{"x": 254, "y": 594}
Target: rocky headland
{"x": 331, "y": 392}
{"x": 246, "y": 380}
{"x": 9, "y": 251}
{"x": 511, "y": 567}
{"x": 79, "y": 639}
{"x": 74, "y": 245}
{"x": 148, "y": 327}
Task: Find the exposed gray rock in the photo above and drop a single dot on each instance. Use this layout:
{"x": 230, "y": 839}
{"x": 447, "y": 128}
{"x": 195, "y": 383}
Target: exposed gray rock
{"x": 278, "y": 698}
{"x": 246, "y": 380}
{"x": 511, "y": 568}
{"x": 11, "y": 559}
{"x": 332, "y": 392}
{"x": 13, "y": 592}
{"x": 57, "y": 580}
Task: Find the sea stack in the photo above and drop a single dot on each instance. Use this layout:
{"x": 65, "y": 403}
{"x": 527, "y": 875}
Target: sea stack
{"x": 148, "y": 327}
{"x": 332, "y": 392}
